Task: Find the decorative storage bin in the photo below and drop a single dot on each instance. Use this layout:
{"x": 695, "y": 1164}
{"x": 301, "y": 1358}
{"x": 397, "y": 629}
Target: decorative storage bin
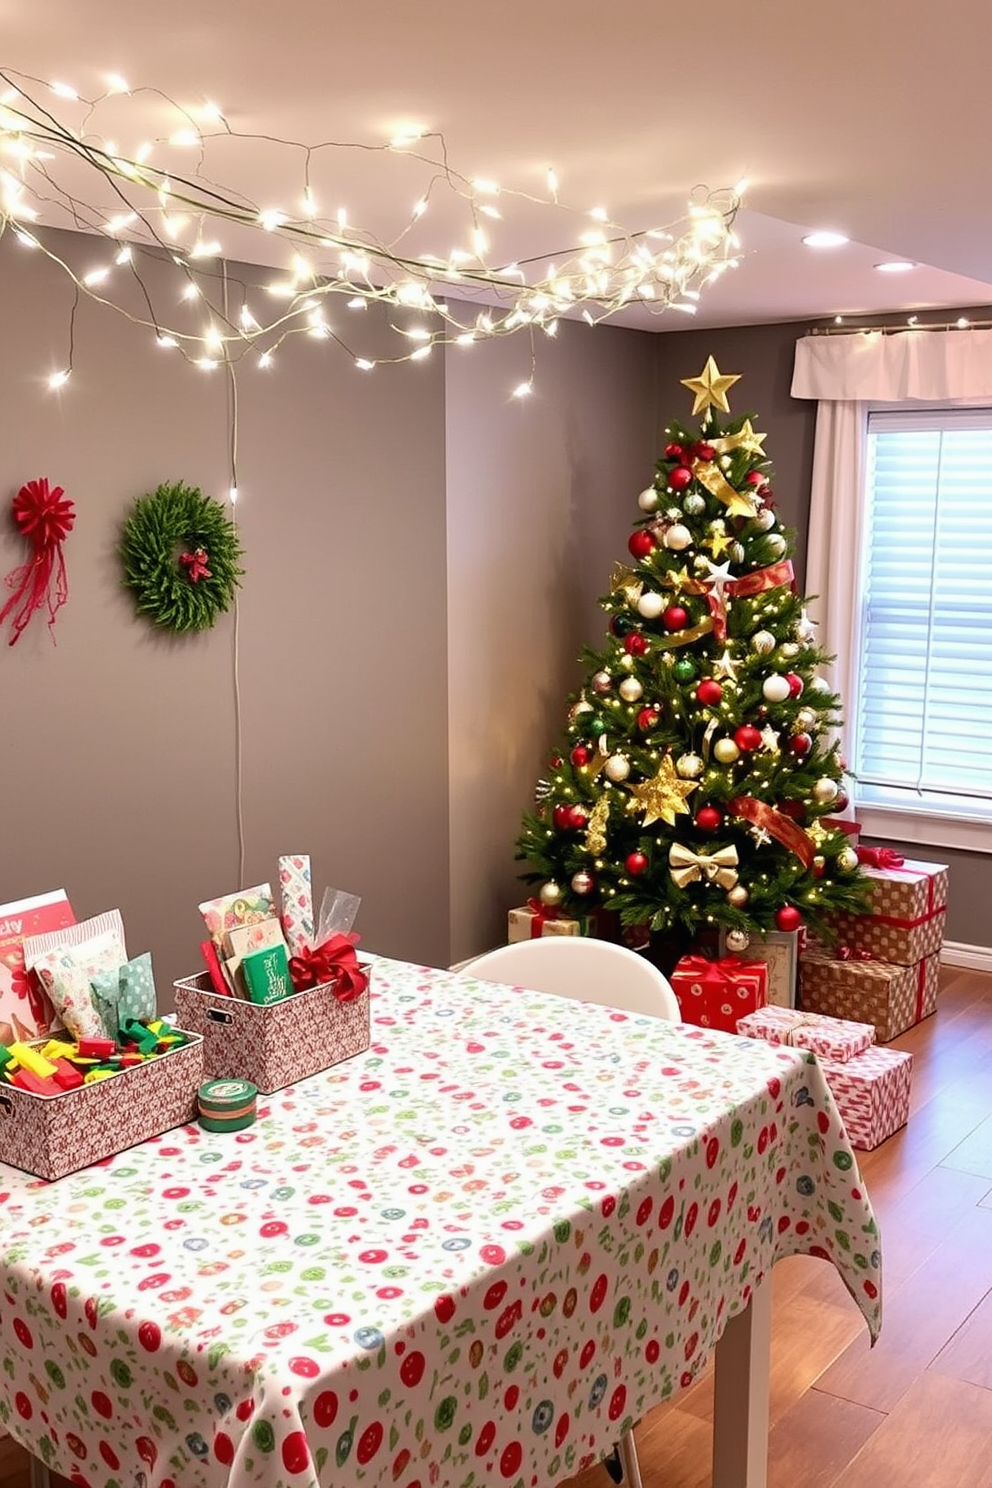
{"x": 831, "y": 1038}
{"x": 890, "y": 996}
{"x": 872, "y": 1094}
{"x": 273, "y": 1044}
{"x": 51, "y": 1135}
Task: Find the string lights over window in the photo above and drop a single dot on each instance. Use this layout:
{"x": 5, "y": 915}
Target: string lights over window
{"x": 59, "y": 163}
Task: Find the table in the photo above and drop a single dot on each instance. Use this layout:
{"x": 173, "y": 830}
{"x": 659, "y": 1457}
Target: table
{"x": 477, "y": 1253}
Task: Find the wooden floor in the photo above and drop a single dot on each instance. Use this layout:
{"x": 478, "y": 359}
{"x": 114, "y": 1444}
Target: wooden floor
{"x": 915, "y": 1411}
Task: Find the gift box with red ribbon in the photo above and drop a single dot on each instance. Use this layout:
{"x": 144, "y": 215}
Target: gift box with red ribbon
{"x": 535, "y": 919}
{"x": 715, "y": 994}
{"x": 872, "y": 1094}
{"x": 908, "y": 908}
{"x": 851, "y": 984}
{"x": 831, "y": 1038}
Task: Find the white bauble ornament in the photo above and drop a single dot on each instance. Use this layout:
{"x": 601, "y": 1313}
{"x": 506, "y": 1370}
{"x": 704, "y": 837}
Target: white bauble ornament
{"x": 776, "y": 544}
{"x": 648, "y": 500}
{"x": 630, "y": 689}
{"x": 650, "y": 605}
{"x": 775, "y": 688}
{"x": 549, "y": 894}
{"x": 617, "y": 768}
{"x": 602, "y": 682}
{"x": 583, "y": 882}
{"x": 577, "y": 710}
{"x": 678, "y": 537}
{"x": 694, "y": 504}
{"x": 674, "y": 514}
{"x": 627, "y": 661}
{"x": 737, "y": 940}
{"x": 689, "y": 766}
{"x": 847, "y": 860}
{"x": 737, "y": 553}
{"x": 701, "y": 563}
{"x": 763, "y": 642}
{"x": 725, "y": 751}
{"x": 805, "y": 719}
{"x": 765, "y": 519}
{"x": 738, "y": 897}
{"x": 825, "y": 791}
{"x": 790, "y": 649}
{"x": 820, "y": 684}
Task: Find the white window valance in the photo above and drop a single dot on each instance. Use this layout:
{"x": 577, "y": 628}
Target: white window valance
{"x": 898, "y": 367}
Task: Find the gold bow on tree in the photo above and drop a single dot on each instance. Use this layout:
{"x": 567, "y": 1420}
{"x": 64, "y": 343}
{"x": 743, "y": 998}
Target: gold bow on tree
{"x": 687, "y": 867}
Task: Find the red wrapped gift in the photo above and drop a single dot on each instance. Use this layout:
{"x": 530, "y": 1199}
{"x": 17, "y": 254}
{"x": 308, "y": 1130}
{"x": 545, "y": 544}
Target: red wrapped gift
{"x": 872, "y": 1094}
{"x": 714, "y": 994}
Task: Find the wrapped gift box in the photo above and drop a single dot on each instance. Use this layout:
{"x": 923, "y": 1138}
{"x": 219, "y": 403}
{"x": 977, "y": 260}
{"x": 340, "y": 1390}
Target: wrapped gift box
{"x": 51, "y": 1135}
{"x": 872, "y": 1094}
{"x": 831, "y": 1038}
{"x": 533, "y": 920}
{"x": 906, "y": 919}
{"x": 715, "y": 994}
{"x": 889, "y": 996}
{"x": 277, "y": 1043}
{"x": 779, "y": 950}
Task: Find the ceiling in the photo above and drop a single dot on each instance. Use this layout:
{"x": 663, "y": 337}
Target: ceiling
{"x": 865, "y": 116}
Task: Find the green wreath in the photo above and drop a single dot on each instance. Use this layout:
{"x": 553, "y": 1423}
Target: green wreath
{"x": 181, "y": 553}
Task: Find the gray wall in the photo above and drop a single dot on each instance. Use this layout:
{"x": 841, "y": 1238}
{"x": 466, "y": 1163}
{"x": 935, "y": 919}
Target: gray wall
{"x": 117, "y": 743}
{"x": 765, "y": 355}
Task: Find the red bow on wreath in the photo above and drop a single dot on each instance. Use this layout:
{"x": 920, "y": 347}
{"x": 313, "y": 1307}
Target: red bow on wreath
{"x": 196, "y": 562}
{"x": 335, "y": 961}
{"x": 45, "y": 518}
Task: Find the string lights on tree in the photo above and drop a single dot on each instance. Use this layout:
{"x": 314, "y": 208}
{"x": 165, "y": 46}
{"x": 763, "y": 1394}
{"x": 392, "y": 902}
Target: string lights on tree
{"x": 59, "y": 164}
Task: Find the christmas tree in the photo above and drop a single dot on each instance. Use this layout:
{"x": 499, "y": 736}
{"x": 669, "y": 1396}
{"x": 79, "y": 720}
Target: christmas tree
{"x": 700, "y": 766}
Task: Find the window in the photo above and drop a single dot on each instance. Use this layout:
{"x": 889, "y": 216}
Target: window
{"x": 921, "y": 724}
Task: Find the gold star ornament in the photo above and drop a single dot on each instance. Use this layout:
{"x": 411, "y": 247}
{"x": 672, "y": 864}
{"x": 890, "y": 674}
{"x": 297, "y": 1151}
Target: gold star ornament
{"x": 662, "y": 797}
{"x": 710, "y": 388}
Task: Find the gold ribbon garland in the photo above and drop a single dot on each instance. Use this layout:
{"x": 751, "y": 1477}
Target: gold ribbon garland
{"x": 713, "y": 479}
{"x": 687, "y": 867}
{"x": 596, "y": 830}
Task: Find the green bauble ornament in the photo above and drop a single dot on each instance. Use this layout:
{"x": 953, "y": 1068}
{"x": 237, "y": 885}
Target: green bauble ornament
{"x": 685, "y": 669}
{"x": 595, "y": 725}
{"x": 181, "y": 555}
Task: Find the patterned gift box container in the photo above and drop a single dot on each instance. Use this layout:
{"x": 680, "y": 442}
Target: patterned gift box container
{"x": 872, "y": 1094}
{"x": 779, "y": 950}
{"x": 889, "y": 996}
{"x": 51, "y": 1135}
{"x": 831, "y": 1038}
{"x": 908, "y": 910}
{"x": 715, "y": 994}
{"x": 277, "y": 1043}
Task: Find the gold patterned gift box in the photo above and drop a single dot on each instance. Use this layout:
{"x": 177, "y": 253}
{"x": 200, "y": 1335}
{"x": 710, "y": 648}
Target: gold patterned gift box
{"x": 528, "y": 923}
{"x": 892, "y": 997}
{"x": 906, "y": 919}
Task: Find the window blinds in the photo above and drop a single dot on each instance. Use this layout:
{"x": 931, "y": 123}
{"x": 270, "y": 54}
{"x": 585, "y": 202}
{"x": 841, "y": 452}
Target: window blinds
{"x": 923, "y": 725}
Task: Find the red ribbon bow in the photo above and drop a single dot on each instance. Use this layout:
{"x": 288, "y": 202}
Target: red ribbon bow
{"x": 45, "y": 518}
{"x": 704, "y": 970}
{"x": 196, "y": 562}
{"x": 336, "y": 961}
{"x": 848, "y": 953}
{"x": 879, "y": 857}
{"x": 542, "y": 912}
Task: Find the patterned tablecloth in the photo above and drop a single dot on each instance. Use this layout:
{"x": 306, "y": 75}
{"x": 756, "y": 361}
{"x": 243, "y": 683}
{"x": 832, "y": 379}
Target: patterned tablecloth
{"x": 475, "y": 1254}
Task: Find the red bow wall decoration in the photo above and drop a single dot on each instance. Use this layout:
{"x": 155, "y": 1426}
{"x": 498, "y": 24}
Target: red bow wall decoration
{"x": 45, "y": 517}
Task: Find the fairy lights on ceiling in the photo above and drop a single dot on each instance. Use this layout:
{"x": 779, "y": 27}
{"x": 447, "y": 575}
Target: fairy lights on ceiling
{"x": 59, "y": 164}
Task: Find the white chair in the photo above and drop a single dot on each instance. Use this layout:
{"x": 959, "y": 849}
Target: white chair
{"x": 586, "y": 970}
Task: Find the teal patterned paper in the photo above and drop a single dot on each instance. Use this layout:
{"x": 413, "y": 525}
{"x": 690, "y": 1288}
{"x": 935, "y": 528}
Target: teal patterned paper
{"x": 106, "y": 988}
{"x": 137, "y": 999}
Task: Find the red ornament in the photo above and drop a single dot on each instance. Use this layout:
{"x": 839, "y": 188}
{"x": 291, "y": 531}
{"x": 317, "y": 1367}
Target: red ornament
{"x": 841, "y": 801}
{"x": 795, "y": 684}
{"x": 704, "y": 452}
{"x": 556, "y": 762}
{"x": 800, "y": 744}
{"x": 747, "y": 738}
{"x": 641, "y": 543}
{"x": 580, "y": 755}
{"x": 580, "y": 817}
{"x": 674, "y": 452}
{"x": 709, "y": 692}
{"x": 675, "y": 617}
{"x": 680, "y": 478}
{"x": 636, "y": 644}
{"x": 647, "y": 719}
{"x": 636, "y": 863}
{"x": 45, "y": 518}
{"x": 708, "y": 818}
{"x": 755, "y": 478}
{"x": 562, "y": 817}
{"x": 788, "y": 918}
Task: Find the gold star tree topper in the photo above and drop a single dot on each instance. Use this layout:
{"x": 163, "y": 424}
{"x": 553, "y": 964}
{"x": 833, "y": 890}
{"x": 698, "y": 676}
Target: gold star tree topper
{"x": 710, "y": 388}
{"x": 663, "y": 796}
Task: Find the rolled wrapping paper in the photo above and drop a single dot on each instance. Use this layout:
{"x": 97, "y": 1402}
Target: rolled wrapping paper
{"x": 296, "y": 893}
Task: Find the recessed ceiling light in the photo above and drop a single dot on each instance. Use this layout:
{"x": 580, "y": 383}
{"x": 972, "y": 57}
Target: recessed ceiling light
{"x": 895, "y": 266}
{"x": 825, "y": 240}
